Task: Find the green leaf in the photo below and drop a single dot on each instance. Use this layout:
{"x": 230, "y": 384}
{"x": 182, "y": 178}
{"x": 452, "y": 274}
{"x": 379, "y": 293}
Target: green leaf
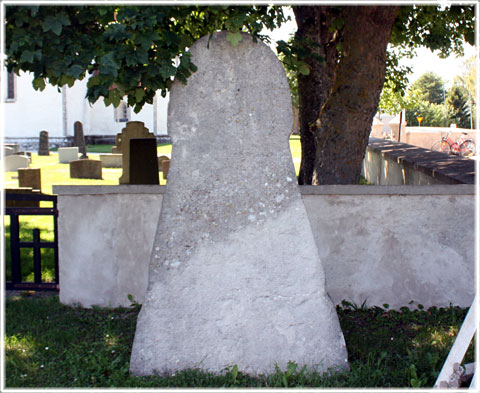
{"x": 66, "y": 80}
{"x": 93, "y": 81}
{"x": 139, "y": 94}
{"x": 27, "y": 56}
{"x": 75, "y": 71}
{"x": 285, "y": 381}
{"x": 304, "y": 69}
{"x": 235, "y": 373}
{"x": 38, "y": 83}
{"x": 108, "y": 65}
{"x": 51, "y": 23}
{"x": 291, "y": 369}
{"x": 234, "y": 38}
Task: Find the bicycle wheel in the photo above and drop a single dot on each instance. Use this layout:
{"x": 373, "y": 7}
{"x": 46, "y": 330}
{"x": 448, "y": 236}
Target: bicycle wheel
{"x": 441, "y": 146}
{"x": 467, "y": 148}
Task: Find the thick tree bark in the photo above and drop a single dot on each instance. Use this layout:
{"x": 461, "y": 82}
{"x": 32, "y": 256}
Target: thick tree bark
{"x": 313, "y": 24}
{"x": 345, "y": 120}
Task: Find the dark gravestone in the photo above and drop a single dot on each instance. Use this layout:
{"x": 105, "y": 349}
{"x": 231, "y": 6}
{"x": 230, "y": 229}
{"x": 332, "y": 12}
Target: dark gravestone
{"x": 143, "y": 161}
{"x": 165, "y": 168}
{"x": 43, "y": 148}
{"x": 79, "y": 139}
{"x": 86, "y": 169}
{"x": 30, "y": 177}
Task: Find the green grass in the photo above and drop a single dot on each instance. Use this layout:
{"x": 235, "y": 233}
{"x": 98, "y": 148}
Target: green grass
{"x": 51, "y": 345}
{"x": 27, "y": 224}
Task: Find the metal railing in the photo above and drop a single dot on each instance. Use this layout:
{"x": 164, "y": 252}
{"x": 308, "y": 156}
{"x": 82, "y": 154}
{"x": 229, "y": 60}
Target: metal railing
{"x": 16, "y": 244}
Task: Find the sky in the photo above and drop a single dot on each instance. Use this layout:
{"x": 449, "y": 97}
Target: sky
{"x": 425, "y": 61}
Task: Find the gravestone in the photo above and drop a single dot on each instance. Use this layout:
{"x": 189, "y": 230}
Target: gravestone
{"x": 134, "y": 129}
{"x": 43, "y": 145}
{"x": 14, "y": 146}
{"x": 143, "y": 161}
{"x": 79, "y": 139}
{"x": 15, "y": 162}
{"x": 67, "y": 154}
{"x": 162, "y": 158}
{"x": 30, "y": 177}
{"x": 111, "y": 160}
{"x": 235, "y": 276}
{"x": 86, "y": 169}
{"x": 165, "y": 168}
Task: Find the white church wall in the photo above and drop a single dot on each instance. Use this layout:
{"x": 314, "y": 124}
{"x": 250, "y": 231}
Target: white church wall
{"x": 33, "y": 111}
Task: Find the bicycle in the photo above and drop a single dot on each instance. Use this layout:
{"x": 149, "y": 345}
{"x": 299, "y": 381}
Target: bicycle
{"x": 462, "y": 146}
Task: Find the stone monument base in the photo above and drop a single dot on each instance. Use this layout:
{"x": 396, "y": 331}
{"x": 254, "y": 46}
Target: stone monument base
{"x": 221, "y": 309}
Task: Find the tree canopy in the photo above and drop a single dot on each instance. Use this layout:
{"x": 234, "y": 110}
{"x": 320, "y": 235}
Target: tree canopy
{"x": 131, "y": 51}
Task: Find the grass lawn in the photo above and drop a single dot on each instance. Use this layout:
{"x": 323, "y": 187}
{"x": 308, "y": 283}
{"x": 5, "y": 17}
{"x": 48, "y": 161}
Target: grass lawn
{"x": 49, "y": 345}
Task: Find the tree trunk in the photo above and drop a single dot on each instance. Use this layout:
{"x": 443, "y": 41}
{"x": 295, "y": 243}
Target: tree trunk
{"x": 344, "y": 125}
{"x": 313, "y": 24}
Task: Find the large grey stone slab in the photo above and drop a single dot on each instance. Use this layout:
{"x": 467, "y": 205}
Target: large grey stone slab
{"x": 235, "y": 275}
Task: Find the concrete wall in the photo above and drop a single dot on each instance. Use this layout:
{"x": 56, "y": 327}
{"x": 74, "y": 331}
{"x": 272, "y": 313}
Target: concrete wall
{"x": 395, "y": 163}
{"x": 380, "y": 244}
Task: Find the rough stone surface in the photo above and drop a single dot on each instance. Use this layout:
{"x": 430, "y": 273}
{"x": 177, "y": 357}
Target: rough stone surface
{"x": 111, "y": 160}
{"x": 89, "y": 275}
{"x": 79, "y": 139}
{"x": 86, "y": 169}
{"x": 15, "y": 162}
{"x": 235, "y": 276}
{"x": 67, "y": 154}
{"x": 43, "y": 144}
{"x": 30, "y": 177}
{"x": 143, "y": 161}
{"x": 134, "y": 129}
{"x": 354, "y": 227}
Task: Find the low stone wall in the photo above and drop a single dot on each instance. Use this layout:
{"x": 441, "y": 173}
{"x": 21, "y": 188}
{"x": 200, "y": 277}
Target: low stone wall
{"x": 395, "y": 163}
{"x": 379, "y": 244}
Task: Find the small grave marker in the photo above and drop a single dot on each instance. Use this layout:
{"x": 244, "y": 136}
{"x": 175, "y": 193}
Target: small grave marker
{"x": 134, "y": 129}
{"x": 67, "y": 154}
{"x": 43, "y": 144}
{"x": 111, "y": 160}
{"x": 165, "y": 168}
{"x": 79, "y": 139}
{"x": 30, "y": 177}
{"x": 86, "y": 169}
{"x": 15, "y": 162}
